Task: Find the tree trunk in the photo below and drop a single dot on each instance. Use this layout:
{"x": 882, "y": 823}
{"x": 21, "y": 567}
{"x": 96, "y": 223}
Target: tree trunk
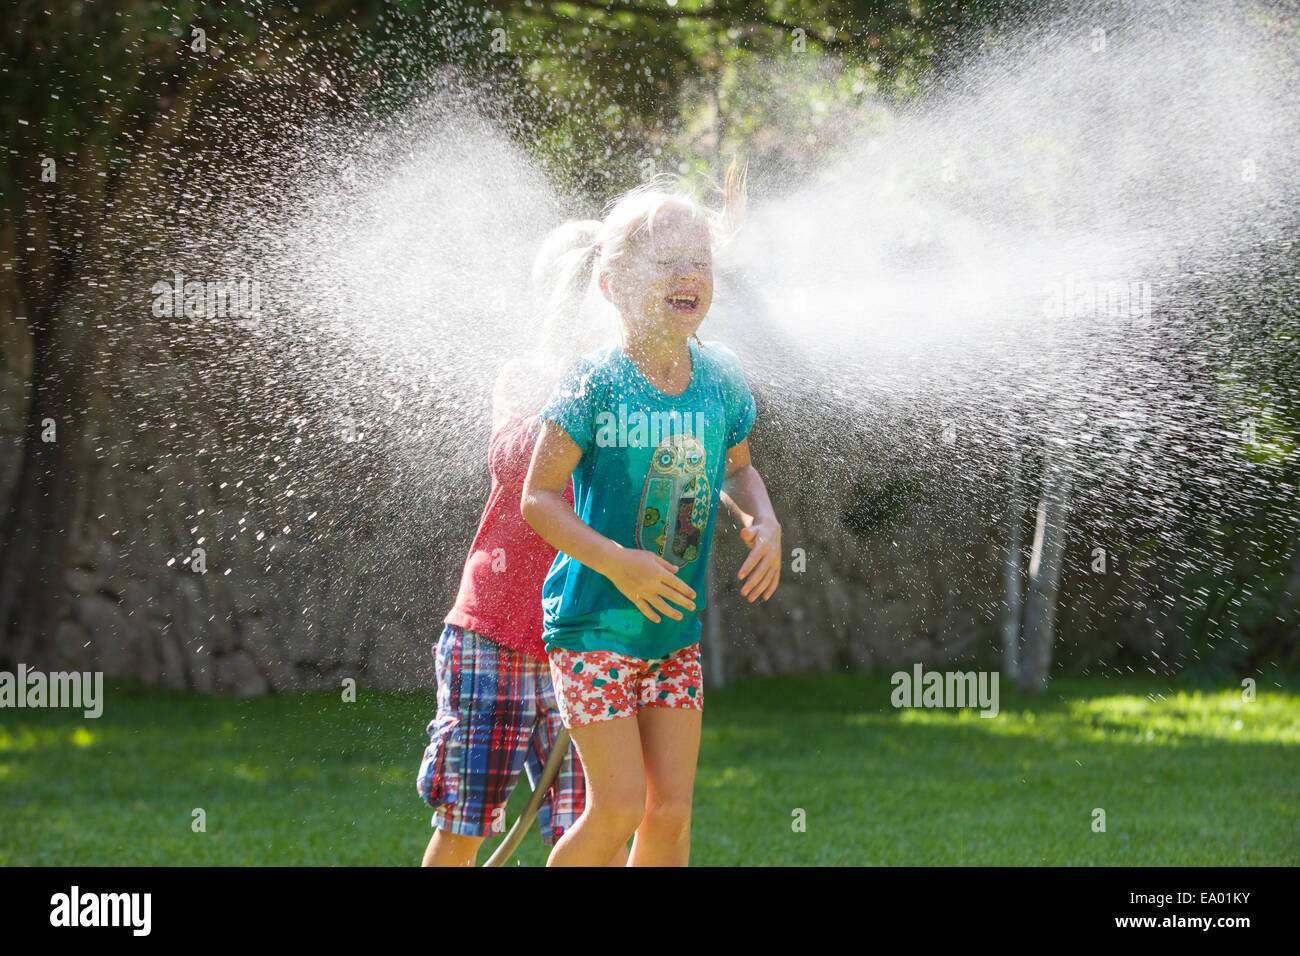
{"x": 36, "y": 535}
{"x": 1044, "y": 578}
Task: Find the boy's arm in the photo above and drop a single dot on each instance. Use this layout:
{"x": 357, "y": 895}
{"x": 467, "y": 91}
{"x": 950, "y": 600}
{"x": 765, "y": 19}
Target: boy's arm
{"x": 745, "y": 496}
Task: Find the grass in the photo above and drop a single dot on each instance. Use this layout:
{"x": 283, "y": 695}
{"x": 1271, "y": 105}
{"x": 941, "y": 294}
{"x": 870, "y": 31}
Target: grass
{"x": 1184, "y": 777}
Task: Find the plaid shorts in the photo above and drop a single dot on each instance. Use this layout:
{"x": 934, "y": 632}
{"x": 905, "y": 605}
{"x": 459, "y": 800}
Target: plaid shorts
{"x": 602, "y": 685}
{"x": 496, "y": 716}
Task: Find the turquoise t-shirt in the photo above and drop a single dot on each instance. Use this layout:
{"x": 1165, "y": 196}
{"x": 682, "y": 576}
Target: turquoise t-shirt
{"x": 650, "y": 475}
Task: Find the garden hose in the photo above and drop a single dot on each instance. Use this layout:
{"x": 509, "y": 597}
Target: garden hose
{"x": 549, "y": 772}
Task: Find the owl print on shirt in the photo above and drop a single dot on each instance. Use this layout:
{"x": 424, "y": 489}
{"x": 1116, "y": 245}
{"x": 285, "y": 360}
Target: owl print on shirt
{"x": 675, "y": 501}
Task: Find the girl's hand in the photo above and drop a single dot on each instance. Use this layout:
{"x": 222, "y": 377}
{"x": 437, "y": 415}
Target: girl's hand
{"x": 763, "y": 566}
{"x": 648, "y": 581}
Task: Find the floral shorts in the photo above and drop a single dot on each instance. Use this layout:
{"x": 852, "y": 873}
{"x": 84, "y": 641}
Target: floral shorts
{"x": 591, "y": 686}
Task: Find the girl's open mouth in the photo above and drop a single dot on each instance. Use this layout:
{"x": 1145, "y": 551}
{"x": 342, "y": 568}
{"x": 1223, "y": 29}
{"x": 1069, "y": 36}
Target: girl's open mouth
{"x": 683, "y": 302}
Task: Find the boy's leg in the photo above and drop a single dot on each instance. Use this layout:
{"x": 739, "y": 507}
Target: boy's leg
{"x": 616, "y": 793}
{"x": 670, "y": 742}
{"x": 478, "y": 743}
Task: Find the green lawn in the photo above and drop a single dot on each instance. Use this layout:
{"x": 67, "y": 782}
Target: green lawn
{"x": 1184, "y": 777}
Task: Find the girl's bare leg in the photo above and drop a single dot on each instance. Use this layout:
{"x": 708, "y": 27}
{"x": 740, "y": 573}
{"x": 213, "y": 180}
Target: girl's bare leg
{"x": 616, "y": 793}
{"x": 670, "y": 743}
{"x": 451, "y": 849}
{"x": 620, "y": 855}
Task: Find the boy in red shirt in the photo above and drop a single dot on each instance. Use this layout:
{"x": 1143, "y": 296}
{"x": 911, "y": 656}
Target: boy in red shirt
{"x": 497, "y": 712}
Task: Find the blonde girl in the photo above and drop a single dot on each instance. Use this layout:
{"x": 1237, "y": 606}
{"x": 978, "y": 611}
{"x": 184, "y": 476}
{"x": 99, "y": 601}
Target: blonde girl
{"x": 653, "y": 432}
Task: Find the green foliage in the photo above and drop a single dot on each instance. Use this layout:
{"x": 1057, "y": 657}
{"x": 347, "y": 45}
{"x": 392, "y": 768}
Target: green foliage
{"x": 1235, "y": 620}
{"x": 1241, "y": 611}
{"x": 631, "y": 70}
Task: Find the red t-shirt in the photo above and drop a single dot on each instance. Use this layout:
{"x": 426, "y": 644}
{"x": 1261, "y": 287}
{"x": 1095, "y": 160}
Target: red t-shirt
{"x": 500, "y": 593}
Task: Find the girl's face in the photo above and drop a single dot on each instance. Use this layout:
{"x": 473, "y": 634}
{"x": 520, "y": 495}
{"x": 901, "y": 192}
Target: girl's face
{"x": 665, "y": 282}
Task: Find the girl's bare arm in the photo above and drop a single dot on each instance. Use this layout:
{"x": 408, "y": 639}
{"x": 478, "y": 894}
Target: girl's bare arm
{"x": 542, "y": 503}
{"x": 643, "y": 577}
{"x": 745, "y": 496}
